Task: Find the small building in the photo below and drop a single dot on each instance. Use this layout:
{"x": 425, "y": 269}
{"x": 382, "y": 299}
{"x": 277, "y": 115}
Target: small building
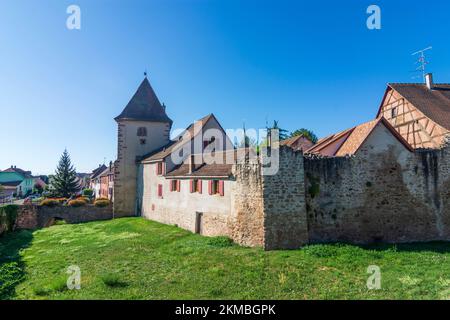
{"x": 23, "y": 180}
{"x": 106, "y": 179}
{"x": 94, "y": 180}
{"x": 419, "y": 112}
{"x": 374, "y": 136}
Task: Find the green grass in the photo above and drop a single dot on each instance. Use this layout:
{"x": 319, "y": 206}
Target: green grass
{"x": 133, "y": 258}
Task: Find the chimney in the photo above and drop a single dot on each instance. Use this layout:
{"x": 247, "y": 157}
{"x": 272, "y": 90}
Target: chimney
{"x": 110, "y": 165}
{"x": 429, "y": 81}
{"x": 191, "y": 163}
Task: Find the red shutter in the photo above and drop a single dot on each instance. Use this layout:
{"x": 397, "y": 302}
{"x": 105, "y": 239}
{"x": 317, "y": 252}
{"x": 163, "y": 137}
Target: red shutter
{"x": 178, "y": 185}
{"x": 160, "y": 190}
{"x": 210, "y": 187}
{"x": 221, "y": 188}
{"x": 199, "y": 186}
{"x": 157, "y": 169}
{"x": 171, "y": 185}
{"x": 191, "y": 186}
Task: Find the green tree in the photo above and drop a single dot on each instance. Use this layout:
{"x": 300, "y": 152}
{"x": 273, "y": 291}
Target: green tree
{"x": 64, "y": 182}
{"x": 306, "y": 133}
{"x": 283, "y": 133}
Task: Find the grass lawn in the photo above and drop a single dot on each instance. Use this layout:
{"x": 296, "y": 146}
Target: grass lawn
{"x": 133, "y": 258}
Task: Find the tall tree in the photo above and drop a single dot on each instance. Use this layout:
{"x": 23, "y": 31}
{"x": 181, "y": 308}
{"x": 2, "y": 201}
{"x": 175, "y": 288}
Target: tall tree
{"x": 64, "y": 182}
{"x": 306, "y": 133}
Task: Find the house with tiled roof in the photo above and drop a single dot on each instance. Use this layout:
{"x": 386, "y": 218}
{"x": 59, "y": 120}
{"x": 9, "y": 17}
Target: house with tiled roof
{"x": 22, "y": 180}
{"x": 377, "y": 136}
{"x": 419, "y": 112}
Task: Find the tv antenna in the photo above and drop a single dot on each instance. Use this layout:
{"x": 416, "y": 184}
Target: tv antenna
{"x": 422, "y": 61}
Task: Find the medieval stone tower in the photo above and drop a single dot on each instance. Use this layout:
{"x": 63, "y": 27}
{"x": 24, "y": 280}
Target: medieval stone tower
{"x": 143, "y": 126}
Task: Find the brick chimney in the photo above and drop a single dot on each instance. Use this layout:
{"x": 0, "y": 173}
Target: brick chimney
{"x": 429, "y": 81}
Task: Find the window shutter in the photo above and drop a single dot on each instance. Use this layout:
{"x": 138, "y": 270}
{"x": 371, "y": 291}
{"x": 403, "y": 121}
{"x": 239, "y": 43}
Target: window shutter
{"x": 160, "y": 190}
{"x": 221, "y": 188}
{"x": 191, "y": 186}
{"x": 199, "y": 186}
{"x": 210, "y": 185}
{"x": 178, "y": 185}
{"x": 157, "y": 168}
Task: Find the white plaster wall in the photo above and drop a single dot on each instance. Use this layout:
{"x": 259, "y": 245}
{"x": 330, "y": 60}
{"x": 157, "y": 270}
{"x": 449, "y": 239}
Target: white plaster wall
{"x": 179, "y": 208}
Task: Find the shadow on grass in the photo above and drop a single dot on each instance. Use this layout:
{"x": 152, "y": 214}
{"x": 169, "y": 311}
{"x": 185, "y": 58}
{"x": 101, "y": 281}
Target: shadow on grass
{"x": 437, "y": 246}
{"x": 11, "y": 266}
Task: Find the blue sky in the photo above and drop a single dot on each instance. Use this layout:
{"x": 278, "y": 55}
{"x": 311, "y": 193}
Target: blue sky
{"x": 304, "y": 63}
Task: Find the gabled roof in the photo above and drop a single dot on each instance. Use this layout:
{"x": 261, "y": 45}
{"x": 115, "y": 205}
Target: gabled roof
{"x": 96, "y": 172}
{"x": 435, "y": 103}
{"x": 293, "y": 142}
{"x": 349, "y": 141}
{"x": 144, "y": 106}
{"x": 191, "y": 131}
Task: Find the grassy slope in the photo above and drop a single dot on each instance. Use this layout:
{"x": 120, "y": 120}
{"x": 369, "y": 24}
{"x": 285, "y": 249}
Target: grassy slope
{"x": 140, "y": 259}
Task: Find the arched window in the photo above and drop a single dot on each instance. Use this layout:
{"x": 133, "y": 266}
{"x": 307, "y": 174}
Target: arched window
{"x": 142, "y": 132}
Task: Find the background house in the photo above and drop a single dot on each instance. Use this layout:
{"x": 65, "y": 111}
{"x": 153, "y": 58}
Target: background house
{"x": 22, "y": 180}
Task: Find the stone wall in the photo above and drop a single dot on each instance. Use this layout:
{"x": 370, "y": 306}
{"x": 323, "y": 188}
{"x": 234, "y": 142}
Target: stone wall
{"x": 386, "y": 196}
{"x": 246, "y": 223}
{"x": 285, "y": 221}
{"x": 33, "y": 217}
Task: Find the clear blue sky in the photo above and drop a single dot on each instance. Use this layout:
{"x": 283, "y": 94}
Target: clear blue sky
{"x": 310, "y": 64}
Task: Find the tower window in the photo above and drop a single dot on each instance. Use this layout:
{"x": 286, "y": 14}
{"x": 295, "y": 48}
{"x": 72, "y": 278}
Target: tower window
{"x": 142, "y": 132}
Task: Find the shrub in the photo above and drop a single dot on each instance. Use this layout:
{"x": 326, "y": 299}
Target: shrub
{"x": 8, "y": 215}
{"x": 113, "y": 280}
{"x": 76, "y": 203}
{"x": 50, "y": 203}
{"x": 101, "y": 203}
{"x": 220, "y": 242}
{"x": 84, "y": 199}
{"x": 88, "y": 193}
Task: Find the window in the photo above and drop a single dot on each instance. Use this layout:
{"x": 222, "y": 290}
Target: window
{"x": 142, "y": 141}
{"x": 175, "y": 185}
{"x": 160, "y": 191}
{"x": 159, "y": 168}
{"x": 195, "y": 186}
{"x": 216, "y": 187}
{"x": 394, "y": 112}
{"x": 142, "y": 132}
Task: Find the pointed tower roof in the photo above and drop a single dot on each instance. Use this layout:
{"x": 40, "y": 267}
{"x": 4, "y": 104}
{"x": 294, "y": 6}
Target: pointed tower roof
{"x": 144, "y": 106}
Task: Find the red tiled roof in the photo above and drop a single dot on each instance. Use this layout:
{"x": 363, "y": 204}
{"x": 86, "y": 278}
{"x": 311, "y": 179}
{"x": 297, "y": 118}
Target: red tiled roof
{"x": 349, "y": 141}
{"x": 297, "y": 143}
{"x": 221, "y": 169}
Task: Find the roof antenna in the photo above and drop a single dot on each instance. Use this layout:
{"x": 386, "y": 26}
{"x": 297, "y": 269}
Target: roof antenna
{"x": 421, "y": 61}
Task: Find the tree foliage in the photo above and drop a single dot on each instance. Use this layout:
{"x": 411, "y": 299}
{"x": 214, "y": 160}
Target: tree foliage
{"x": 64, "y": 182}
{"x": 306, "y": 133}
